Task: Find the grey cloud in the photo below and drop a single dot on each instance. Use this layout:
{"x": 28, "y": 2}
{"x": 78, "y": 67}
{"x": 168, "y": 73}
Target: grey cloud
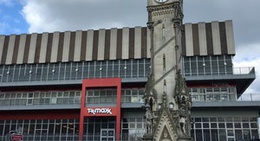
{"x": 80, "y": 14}
{"x": 243, "y": 13}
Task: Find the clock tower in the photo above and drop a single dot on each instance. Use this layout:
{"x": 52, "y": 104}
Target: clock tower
{"x": 167, "y": 101}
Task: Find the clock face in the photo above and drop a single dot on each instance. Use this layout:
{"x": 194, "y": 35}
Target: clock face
{"x": 161, "y": 1}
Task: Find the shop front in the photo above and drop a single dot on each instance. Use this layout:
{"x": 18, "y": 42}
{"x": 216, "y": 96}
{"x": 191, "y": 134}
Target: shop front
{"x": 100, "y": 113}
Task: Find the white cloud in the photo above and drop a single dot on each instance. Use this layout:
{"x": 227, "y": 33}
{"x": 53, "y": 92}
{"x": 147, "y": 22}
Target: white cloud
{"x": 249, "y": 56}
{"x": 54, "y": 15}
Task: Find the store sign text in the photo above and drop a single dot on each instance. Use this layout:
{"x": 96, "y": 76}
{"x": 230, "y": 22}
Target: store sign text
{"x": 100, "y": 111}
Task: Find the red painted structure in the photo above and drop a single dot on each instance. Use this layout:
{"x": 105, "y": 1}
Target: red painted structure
{"x": 116, "y": 110}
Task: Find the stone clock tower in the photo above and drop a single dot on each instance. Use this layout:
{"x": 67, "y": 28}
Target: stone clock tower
{"x": 167, "y": 100}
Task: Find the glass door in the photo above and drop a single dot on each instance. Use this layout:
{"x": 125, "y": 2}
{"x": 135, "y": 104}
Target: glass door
{"x": 230, "y": 135}
{"x": 107, "y": 135}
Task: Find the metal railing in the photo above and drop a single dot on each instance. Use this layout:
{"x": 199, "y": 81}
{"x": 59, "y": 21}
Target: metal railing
{"x": 249, "y": 97}
{"x": 222, "y": 71}
{"x": 224, "y": 97}
{"x": 243, "y": 70}
{"x": 62, "y": 101}
{"x": 39, "y": 101}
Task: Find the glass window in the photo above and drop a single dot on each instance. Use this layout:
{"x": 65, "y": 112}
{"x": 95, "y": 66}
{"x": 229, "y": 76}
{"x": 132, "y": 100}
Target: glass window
{"x": 198, "y": 125}
{"x": 229, "y": 125}
{"x": 254, "y": 125}
{"x": 213, "y": 125}
{"x": 187, "y": 66}
{"x": 201, "y": 65}
{"x": 206, "y": 134}
{"x": 245, "y": 125}
{"x": 199, "y": 135}
{"x": 237, "y": 125}
{"x": 205, "y": 125}
{"x": 221, "y": 125}
{"x": 141, "y": 68}
{"x": 194, "y": 68}
{"x": 222, "y": 135}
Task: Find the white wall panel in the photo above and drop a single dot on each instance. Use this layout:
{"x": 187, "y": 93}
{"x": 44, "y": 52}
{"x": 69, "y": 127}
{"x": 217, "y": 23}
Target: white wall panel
{"x": 21, "y": 49}
{"x": 125, "y": 43}
{"x": 230, "y": 37}
{"x": 138, "y": 43}
{"x": 202, "y": 39}
{"x": 43, "y": 49}
{"x": 66, "y": 46}
{"x": 55, "y": 46}
{"x": 2, "y": 41}
{"x": 77, "y": 50}
{"x": 10, "y": 49}
{"x": 216, "y": 38}
{"x": 101, "y": 44}
{"x": 32, "y": 48}
{"x": 89, "y": 50}
{"x": 189, "y": 40}
{"x": 113, "y": 44}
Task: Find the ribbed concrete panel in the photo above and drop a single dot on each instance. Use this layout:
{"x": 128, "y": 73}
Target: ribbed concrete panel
{"x": 216, "y": 38}
{"x": 137, "y": 45}
{"x": 148, "y": 44}
{"x": 77, "y": 50}
{"x": 66, "y": 47}
{"x": 125, "y": 43}
{"x": 101, "y": 44}
{"x": 32, "y": 48}
{"x": 43, "y": 49}
{"x": 202, "y": 39}
{"x": 89, "y": 50}
{"x": 21, "y": 49}
{"x": 230, "y": 37}
{"x": 113, "y": 45}
{"x": 2, "y": 40}
{"x": 10, "y": 50}
{"x": 54, "y": 47}
{"x": 189, "y": 40}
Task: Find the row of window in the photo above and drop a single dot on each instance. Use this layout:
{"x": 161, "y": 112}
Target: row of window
{"x": 224, "y": 119}
{"x": 213, "y": 94}
{"x": 40, "y": 98}
{"x": 75, "y": 70}
{"x": 57, "y": 94}
{"x": 224, "y": 128}
{"x": 131, "y": 128}
{"x": 42, "y": 130}
{"x": 224, "y": 135}
{"x": 207, "y": 65}
{"x": 132, "y": 68}
{"x": 107, "y": 96}
{"x": 68, "y": 129}
{"x": 70, "y": 97}
{"x": 99, "y": 96}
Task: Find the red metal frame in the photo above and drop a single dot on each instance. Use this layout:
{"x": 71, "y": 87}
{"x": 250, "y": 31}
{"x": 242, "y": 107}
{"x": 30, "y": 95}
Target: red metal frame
{"x": 116, "y": 111}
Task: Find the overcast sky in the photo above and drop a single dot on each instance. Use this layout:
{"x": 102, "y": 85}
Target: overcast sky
{"x": 27, "y": 16}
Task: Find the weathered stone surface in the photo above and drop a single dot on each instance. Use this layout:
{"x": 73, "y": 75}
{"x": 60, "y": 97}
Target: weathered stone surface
{"x": 167, "y": 100}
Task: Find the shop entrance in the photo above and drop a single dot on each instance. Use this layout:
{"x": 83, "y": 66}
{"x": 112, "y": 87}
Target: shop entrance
{"x": 99, "y": 129}
{"x": 107, "y": 135}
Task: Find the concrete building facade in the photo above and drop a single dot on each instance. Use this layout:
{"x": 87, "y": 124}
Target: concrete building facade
{"x": 89, "y": 85}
